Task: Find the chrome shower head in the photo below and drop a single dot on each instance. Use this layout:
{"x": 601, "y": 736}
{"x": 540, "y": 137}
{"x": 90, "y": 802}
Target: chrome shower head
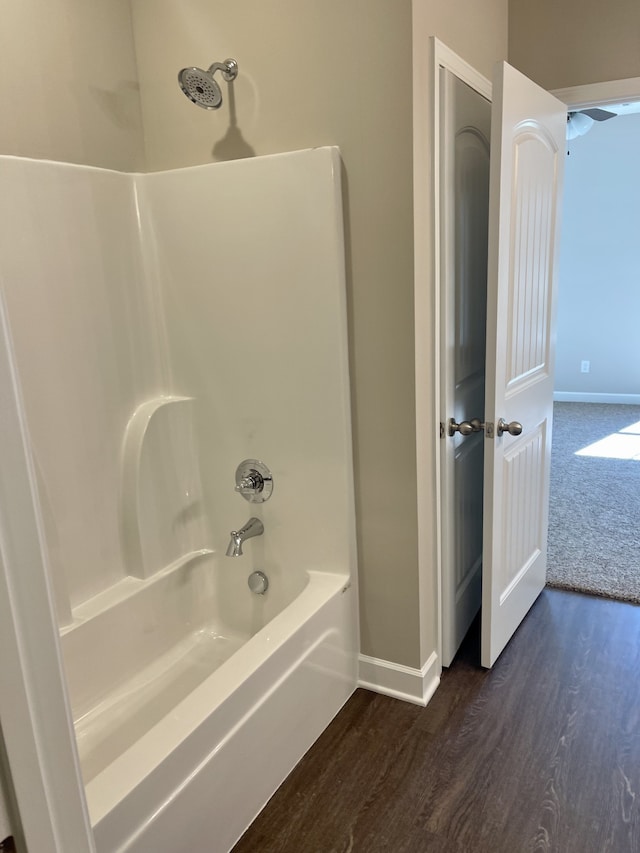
{"x": 200, "y": 86}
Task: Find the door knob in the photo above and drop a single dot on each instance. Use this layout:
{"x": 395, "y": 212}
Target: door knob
{"x": 465, "y": 427}
{"x": 514, "y": 428}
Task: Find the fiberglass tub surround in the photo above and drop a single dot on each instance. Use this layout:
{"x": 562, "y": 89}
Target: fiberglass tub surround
{"x": 187, "y": 321}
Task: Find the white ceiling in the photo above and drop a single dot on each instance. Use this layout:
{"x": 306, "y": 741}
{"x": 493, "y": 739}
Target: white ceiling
{"x": 623, "y": 109}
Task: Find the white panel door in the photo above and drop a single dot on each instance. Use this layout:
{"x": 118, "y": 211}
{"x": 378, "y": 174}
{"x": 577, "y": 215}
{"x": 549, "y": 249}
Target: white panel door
{"x": 527, "y": 158}
{"x": 465, "y": 123}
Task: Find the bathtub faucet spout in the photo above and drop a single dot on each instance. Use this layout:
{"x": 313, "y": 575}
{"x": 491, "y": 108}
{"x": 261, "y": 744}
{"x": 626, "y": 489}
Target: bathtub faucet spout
{"x": 253, "y": 527}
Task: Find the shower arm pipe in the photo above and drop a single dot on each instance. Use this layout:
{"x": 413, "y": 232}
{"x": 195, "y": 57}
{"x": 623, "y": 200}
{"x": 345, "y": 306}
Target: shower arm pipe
{"x": 229, "y": 69}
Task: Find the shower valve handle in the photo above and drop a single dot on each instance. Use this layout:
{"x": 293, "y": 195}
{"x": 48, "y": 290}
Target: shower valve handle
{"x": 251, "y": 484}
{"x": 254, "y": 481}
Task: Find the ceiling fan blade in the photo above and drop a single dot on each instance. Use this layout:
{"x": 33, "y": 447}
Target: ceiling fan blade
{"x": 598, "y": 114}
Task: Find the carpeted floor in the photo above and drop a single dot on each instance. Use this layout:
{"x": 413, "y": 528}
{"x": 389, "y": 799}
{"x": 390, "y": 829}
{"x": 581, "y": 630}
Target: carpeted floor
{"x": 594, "y": 517}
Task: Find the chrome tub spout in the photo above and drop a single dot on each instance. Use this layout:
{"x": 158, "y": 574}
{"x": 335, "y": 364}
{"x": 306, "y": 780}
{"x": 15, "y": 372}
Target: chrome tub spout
{"x": 253, "y": 527}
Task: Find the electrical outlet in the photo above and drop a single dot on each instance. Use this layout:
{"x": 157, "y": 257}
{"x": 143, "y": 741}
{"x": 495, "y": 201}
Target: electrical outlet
{"x": 585, "y": 366}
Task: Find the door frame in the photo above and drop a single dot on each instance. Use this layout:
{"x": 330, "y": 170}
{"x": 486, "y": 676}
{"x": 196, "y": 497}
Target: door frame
{"x": 599, "y": 94}
{"x": 428, "y": 299}
{"x": 430, "y": 361}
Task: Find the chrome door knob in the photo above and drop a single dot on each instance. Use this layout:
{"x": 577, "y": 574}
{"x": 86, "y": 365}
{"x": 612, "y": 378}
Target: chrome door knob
{"x": 464, "y": 427}
{"x": 514, "y": 428}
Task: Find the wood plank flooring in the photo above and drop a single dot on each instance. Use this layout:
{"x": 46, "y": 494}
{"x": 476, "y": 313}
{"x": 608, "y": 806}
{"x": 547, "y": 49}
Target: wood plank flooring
{"x": 540, "y": 754}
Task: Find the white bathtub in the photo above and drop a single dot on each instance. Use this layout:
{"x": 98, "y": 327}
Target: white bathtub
{"x": 189, "y": 343}
{"x": 187, "y": 724}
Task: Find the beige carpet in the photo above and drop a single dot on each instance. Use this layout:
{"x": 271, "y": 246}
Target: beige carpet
{"x": 594, "y": 518}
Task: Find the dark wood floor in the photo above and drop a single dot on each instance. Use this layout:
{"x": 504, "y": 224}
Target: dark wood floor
{"x": 540, "y": 754}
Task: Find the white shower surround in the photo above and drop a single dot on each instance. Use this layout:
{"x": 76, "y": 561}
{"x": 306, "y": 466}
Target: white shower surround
{"x": 222, "y": 285}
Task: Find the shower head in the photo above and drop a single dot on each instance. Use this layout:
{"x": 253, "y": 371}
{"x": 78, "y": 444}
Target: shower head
{"x": 200, "y": 86}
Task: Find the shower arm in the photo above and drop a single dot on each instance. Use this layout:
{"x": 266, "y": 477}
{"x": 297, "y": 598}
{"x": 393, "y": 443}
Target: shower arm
{"x": 229, "y": 69}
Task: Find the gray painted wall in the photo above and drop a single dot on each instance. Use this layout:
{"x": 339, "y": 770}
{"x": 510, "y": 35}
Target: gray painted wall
{"x": 562, "y": 43}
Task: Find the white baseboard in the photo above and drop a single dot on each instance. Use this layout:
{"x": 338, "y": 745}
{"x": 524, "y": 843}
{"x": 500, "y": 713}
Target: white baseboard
{"x": 580, "y": 397}
{"x": 401, "y": 682}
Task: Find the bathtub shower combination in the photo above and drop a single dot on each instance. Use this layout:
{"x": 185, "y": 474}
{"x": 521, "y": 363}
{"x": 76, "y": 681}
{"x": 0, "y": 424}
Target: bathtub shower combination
{"x": 180, "y": 339}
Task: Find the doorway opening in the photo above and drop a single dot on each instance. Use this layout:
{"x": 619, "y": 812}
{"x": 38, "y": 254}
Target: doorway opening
{"x": 593, "y": 545}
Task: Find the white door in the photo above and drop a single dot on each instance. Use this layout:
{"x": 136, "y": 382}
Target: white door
{"x": 527, "y": 158}
{"x": 465, "y": 124}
